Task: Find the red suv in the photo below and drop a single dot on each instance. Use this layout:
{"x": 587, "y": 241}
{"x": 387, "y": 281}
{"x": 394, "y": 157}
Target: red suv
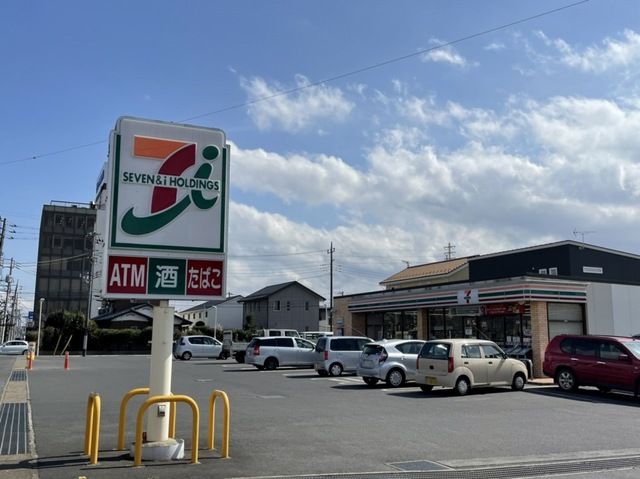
{"x": 607, "y": 362}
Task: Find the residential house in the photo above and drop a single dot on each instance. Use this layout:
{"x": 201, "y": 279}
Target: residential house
{"x": 220, "y": 313}
{"x": 284, "y": 306}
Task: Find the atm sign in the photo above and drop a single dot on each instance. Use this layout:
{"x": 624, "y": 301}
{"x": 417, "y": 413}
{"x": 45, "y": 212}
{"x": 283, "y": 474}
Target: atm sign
{"x": 170, "y": 278}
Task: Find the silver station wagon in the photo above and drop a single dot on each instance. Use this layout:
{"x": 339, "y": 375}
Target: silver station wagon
{"x": 463, "y": 364}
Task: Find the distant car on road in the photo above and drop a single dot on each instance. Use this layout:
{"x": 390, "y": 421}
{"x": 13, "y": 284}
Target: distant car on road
{"x": 393, "y": 361}
{"x": 189, "y": 347}
{"x": 463, "y": 364}
{"x": 606, "y": 362}
{"x": 14, "y": 347}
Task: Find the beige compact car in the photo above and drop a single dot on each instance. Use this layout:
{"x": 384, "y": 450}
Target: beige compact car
{"x": 463, "y": 364}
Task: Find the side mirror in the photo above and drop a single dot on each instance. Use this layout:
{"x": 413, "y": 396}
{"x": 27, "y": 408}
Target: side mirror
{"x": 623, "y": 357}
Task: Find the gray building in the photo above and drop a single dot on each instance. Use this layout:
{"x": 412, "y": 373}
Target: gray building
{"x": 284, "y": 306}
{"x": 64, "y": 257}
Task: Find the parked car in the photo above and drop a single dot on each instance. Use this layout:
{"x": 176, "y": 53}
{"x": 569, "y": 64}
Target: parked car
{"x": 271, "y": 352}
{"x": 188, "y": 347}
{"x": 463, "y": 364}
{"x": 606, "y": 362}
{"x": 393, "y": 361}
{"x": 335, "y": 354}
{"x": 14, "y": 347}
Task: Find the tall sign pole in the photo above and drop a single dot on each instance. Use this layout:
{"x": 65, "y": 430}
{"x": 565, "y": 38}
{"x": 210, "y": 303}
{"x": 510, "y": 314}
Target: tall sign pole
{"x": 166, "y": 235}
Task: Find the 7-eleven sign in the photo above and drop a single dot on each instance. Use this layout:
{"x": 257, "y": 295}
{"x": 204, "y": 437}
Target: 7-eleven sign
{"x": 468, "y": 296}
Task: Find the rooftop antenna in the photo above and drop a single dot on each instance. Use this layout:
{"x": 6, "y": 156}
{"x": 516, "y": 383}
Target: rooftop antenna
{"x": 577, "y": 233}
{"x": 449, "y": 251}
{"x": 405, "y": 262}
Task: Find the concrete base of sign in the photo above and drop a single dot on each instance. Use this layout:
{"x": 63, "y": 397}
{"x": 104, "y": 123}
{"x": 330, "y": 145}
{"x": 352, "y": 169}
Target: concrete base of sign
{"x": 168, "y": 450}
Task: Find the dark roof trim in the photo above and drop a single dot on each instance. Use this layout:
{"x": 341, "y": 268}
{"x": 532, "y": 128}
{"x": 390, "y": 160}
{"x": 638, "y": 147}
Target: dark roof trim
{"x": 272, "y": 289}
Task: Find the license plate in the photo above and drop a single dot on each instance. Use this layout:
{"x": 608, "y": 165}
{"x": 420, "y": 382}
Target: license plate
{"x": 431, "y": 381}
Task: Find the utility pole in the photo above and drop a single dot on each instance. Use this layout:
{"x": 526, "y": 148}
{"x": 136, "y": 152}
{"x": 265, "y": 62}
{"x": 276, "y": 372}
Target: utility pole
{"x": 2, "y": 233}
{"x": 6, "y": 302}
{"x": 449, "y": 251}
{"x": 331, "y": 250}
{"x": 11, "y": 329}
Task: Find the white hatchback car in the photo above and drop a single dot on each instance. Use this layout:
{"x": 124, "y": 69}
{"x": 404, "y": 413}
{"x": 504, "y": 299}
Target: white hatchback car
{"x": 189, "y": 347}
{"x": 463, "y": 364}
{"x": 14, "y": 347}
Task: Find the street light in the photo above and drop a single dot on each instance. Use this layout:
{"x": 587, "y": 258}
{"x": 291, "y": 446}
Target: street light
{"x": 39, "y": 323}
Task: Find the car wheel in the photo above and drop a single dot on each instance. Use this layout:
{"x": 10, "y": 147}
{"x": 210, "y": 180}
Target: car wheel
{"x": 270, "y": 364}
{"x": 426, "y": 388}
{"x": 186, "y": 355}
{"x": 24, "y": 352}
{"x": 369, "y": 381}
{"x": 518, "y": 382}
{"x": 335, "y": 369}
{"x": 322, "y": 373}
{"x": 462, "y": 386}
{"x": 566, "y": 380}
{"x": 395, "y": 378}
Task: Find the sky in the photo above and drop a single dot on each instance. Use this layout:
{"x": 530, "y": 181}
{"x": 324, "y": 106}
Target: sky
{"x": 388, "y": 129}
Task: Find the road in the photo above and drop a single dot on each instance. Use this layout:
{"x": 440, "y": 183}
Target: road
{"x": 292, "y": 422}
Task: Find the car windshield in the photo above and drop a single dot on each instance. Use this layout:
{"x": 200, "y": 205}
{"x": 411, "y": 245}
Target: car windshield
{"x": 634, "y": 347}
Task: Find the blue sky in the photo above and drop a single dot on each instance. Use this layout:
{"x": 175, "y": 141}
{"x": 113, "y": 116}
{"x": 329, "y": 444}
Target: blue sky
{"x": 507, "y": 139}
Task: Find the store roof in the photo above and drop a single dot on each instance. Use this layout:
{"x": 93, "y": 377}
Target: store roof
{"x": 440, "y": 268}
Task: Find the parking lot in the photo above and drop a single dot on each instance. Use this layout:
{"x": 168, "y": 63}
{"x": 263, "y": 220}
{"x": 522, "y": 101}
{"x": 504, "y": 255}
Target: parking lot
{"x": 293, "y": 422}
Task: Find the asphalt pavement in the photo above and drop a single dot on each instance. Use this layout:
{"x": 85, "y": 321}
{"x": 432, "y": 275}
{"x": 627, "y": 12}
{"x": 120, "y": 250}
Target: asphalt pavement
{"x": 290, "y": 422}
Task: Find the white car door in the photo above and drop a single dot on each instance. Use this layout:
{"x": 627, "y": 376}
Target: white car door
{"x": 305, "y": 352}
{"x": 498, "y": 368}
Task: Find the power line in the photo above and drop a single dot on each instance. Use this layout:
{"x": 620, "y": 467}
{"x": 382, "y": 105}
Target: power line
{"x": 328, "y": 79}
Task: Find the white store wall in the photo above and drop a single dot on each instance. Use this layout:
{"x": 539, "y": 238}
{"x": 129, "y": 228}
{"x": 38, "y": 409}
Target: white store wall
{"x": 613, "y": 309}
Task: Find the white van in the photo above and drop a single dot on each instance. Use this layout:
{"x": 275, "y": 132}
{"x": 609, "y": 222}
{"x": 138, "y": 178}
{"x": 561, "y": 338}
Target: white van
{"x": 314, "y": 335}
{"x": 335, "y": 354}
{"x": 278, "y": 332}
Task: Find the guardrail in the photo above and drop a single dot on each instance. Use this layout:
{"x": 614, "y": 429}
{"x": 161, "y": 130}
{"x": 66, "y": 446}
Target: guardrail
{"x": 226, "y": 418}
{"x": 92, "y": 428}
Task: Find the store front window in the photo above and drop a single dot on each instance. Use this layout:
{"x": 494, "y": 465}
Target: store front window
{"x": 392, "y": 325}
{"x": 505, "y": 324}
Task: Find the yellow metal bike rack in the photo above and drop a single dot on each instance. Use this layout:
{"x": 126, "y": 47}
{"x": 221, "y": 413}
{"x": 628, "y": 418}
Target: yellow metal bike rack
{"x": 92, "y": 428}
{"x": 226, "y": 418}
{"x": 137, "y": 460}
{"x": 123, "y": 414}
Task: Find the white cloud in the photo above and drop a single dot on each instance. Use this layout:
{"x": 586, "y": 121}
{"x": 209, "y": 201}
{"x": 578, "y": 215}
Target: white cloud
{"x": 623, "y": 52}
{"x": 534, "y": 167}
{"x": 495, "y": 46}
{"x": 444, "y": 54}
{"x": 297, "y": 110}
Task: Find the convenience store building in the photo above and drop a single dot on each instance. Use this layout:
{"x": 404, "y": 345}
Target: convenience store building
{"x": 520, "y": 299}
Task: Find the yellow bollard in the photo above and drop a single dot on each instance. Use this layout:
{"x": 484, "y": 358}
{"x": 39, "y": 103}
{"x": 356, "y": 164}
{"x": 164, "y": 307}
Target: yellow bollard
{"x": 92, "y": 427}
{"x": 226, "y": 418}
{"x": 123, "y": 414}
{"x": 195, "y": 425}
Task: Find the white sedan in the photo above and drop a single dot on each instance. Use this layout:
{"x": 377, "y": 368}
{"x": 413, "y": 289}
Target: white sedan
{"x": 14, "y": 347}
